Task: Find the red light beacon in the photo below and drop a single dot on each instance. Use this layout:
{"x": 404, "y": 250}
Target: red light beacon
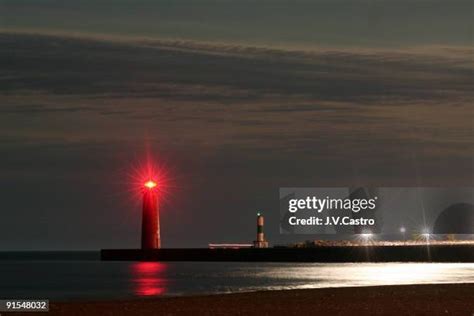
{"x": 150, "y": 217}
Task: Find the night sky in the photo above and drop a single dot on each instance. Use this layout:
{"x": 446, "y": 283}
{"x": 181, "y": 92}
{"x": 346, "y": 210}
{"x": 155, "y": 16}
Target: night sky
{"x": 234, "y": 99}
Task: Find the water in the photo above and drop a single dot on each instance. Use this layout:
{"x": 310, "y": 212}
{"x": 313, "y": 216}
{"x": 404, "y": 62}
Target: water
{"x": 91, "y": 279}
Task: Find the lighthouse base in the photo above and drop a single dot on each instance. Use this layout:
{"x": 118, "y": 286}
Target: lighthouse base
{"x": 260, "y": 244}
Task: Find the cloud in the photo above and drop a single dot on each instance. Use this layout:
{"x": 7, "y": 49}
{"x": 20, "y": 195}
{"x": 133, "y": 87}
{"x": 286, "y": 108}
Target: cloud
{"x": 370, "y": 110}
{"x": 187, "y": 71}
{"x": 32, "y": 109}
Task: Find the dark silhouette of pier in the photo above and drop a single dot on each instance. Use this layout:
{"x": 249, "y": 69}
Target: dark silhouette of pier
{"x": 369, "y": 253}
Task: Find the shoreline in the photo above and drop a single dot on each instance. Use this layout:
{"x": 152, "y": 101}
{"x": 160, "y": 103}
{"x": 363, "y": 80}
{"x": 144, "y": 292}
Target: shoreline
{"x": 427, "y": 299}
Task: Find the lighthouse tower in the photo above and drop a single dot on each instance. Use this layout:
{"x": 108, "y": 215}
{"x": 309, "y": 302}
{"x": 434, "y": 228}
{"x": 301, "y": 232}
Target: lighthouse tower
{"x": 150, "y": 217}
{"x": 260, "y": 242}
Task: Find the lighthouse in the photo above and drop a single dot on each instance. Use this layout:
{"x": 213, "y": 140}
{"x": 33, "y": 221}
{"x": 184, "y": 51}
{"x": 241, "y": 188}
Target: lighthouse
{"x": 260, "y": 242}
{"x": 150, "y": 217}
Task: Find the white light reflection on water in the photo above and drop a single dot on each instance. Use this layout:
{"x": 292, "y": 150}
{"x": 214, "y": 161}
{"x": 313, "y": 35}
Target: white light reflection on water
{"x": 370, "y": 274}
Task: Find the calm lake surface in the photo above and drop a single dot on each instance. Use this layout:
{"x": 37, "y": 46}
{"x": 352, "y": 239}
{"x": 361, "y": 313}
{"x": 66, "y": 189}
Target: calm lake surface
{"x": 86, "y": 278}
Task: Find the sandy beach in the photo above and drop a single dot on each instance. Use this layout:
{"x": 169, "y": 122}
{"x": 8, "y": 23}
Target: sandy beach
{"x": 445, "y": 299}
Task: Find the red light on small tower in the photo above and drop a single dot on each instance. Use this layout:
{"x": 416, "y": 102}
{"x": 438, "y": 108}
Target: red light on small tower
{"x": 150, "y": 184}
{"x": 150, "y": 217}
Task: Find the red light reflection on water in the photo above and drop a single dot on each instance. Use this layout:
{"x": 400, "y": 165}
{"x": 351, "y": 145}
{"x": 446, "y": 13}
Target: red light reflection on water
{"x": 148, "y": 279}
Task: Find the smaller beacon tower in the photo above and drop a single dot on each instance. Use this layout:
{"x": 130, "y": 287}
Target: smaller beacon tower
{"x": 260, "y": 242}
{"x": 150, "y": 217}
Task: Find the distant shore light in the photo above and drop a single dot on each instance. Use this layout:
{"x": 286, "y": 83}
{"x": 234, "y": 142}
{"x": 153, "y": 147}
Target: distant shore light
{"x": 367, "y": 236}
{"x": 426, "y": 233}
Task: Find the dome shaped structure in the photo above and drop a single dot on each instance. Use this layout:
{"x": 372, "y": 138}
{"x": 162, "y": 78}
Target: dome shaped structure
{"x": 456, "y": 219}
